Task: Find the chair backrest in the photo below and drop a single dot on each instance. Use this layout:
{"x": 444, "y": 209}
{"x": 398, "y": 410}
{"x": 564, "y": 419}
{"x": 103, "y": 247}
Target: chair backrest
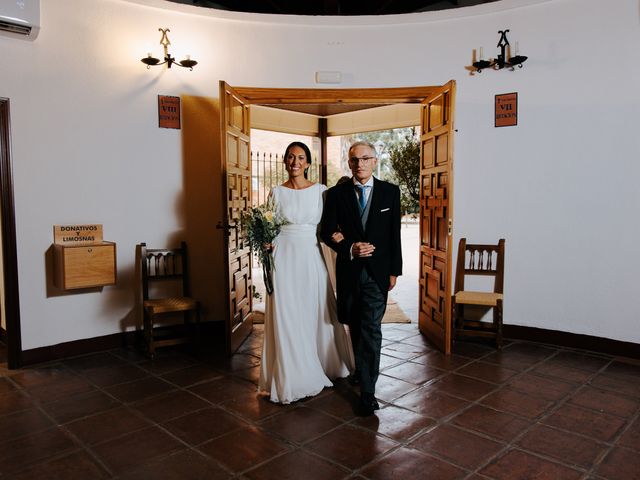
{"x": 478, "y": 259}
{"x": 162, "y": 265}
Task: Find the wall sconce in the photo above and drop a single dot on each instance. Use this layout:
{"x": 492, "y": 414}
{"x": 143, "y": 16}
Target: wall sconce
{"x": 504, "y": 57}
{"x": 168, "y": 59}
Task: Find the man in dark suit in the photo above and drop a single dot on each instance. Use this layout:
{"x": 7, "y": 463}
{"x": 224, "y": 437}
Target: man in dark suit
{"x": 369, "y": 259}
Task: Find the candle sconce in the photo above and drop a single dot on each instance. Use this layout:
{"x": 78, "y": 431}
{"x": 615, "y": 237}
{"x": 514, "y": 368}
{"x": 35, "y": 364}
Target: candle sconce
{"x": 504, "y": 57}
{"x": 150, "y": 61}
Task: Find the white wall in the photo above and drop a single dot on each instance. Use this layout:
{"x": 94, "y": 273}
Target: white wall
{"x": 560, "y": 187}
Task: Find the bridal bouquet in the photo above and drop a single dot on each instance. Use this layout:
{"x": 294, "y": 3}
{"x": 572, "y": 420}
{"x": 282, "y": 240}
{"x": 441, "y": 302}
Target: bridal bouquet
{"x": 261, "y": 225}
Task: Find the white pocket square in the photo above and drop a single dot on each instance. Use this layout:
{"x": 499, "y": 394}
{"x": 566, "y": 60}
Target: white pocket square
{"x": 385, "y": 210}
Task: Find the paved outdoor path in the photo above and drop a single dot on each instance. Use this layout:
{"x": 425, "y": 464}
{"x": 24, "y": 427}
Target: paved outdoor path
{"x": 407, "y": 289}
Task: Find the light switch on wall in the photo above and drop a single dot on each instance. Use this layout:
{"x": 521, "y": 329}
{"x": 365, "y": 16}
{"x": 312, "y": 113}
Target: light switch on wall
{"x": 328, "y": 77}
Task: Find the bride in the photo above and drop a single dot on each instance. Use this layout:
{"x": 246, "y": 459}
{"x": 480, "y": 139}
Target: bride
{"x": 304, "y": 345}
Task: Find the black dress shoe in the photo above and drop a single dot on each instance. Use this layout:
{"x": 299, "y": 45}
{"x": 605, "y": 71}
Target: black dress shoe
{"x": 368, "y": 404}
{"x": 354, "y": 379}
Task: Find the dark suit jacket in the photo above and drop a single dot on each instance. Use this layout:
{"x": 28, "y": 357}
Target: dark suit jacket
{"x": 341, "y": 213}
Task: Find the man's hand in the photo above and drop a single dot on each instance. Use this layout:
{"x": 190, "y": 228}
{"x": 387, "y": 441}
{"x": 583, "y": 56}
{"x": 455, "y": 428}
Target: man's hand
{"x": 362, "y": 249}
{"x": 392, "y": 281}
{"x": 337, "y": 237}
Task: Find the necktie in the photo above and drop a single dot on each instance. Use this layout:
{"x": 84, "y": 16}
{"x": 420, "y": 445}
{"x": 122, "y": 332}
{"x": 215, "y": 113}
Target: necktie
{"x": 361, "y": 198}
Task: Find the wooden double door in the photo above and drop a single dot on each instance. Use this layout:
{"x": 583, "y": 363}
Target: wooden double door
{"x": 436, "y": 169}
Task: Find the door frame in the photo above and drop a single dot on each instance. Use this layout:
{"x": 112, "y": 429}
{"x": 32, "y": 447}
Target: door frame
{"x": 314, "y": 96}
{"x": 300, "y": 96}
{"x": 9, "y": 251}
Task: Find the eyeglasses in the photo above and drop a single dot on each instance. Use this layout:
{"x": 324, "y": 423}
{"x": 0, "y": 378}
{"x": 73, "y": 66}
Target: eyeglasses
{"x": 364, "y": 160}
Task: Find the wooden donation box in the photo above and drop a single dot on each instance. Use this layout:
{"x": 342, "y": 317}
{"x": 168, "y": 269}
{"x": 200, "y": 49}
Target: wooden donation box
{"x": 81, "y": 258}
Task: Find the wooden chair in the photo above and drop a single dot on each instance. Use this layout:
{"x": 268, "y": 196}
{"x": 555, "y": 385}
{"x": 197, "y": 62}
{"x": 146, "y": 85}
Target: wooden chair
{"x": 165, "y": 292}
{"x": 475, "y": 259}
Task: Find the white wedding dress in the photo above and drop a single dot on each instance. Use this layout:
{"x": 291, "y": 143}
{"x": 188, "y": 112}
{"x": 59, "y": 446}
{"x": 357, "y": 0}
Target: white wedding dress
{"x": 304, "y": 345}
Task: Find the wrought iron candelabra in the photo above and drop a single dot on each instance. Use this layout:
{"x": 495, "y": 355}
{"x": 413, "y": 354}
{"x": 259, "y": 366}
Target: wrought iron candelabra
{"x": 504, "y": 57}
{"x": 150, "y": 61}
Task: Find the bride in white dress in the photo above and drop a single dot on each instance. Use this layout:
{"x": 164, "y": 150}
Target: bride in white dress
{"x": 304, "y": 345}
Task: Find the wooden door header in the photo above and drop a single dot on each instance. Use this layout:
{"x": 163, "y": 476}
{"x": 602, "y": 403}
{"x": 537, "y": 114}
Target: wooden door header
{"x": 274, "y": 96}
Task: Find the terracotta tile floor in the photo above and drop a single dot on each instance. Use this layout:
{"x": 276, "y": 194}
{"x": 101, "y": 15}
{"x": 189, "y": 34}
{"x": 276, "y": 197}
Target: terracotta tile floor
{"x": 529, "y": 411}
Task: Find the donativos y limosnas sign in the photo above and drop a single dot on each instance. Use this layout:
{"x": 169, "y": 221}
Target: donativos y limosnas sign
{"x": 77, "y": 234}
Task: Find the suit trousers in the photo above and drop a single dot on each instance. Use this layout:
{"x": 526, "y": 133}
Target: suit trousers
{"x": 365, "y": 328}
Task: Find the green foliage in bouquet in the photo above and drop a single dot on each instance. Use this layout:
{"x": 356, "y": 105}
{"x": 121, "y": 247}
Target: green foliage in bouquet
{"x": 260, "y": 226}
